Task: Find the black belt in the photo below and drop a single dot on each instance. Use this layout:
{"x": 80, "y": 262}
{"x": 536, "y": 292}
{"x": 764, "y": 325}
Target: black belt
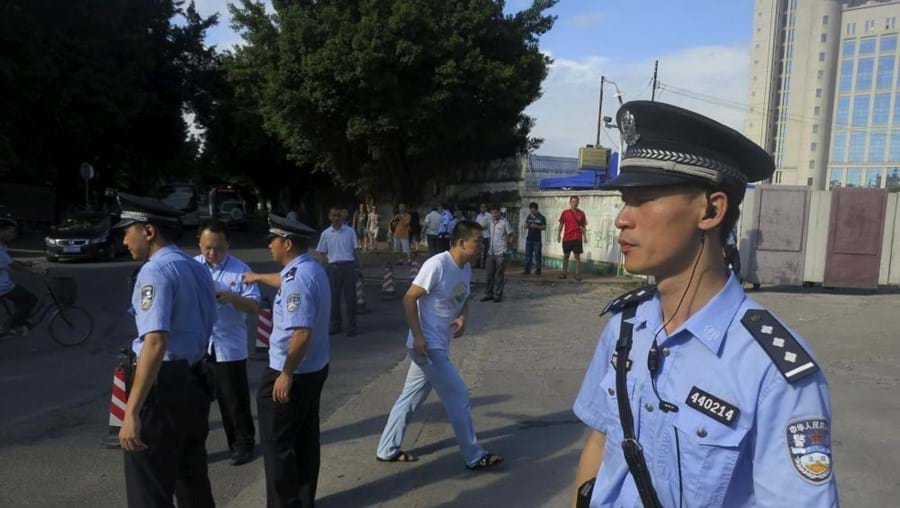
{"x": 634, "y": 453}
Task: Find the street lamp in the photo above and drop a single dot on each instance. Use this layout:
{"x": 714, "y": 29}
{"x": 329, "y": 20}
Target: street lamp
{"x": 600, "y": 116}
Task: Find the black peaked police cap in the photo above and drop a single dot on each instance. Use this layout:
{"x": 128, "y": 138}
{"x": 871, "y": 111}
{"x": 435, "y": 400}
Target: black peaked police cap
{"x": 142, "y": 210}
{"x": 668, "y": 145}
{"x": 285, "y": 228}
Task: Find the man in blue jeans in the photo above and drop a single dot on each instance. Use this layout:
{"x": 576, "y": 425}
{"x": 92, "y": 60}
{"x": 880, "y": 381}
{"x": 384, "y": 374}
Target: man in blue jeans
{"x": 435, "y": 308}
{"x": 535, "y": 224}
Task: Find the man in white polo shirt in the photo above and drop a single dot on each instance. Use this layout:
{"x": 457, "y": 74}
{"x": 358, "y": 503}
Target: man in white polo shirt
{"x": 228, "y": 343}
{"x": 338, "y": 246}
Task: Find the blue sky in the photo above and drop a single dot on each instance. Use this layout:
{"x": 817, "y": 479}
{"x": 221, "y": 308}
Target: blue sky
{"x": 703, "y": 46}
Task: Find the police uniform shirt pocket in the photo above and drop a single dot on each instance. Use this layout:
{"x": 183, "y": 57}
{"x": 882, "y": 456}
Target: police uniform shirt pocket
{"x": 709, "y": 450}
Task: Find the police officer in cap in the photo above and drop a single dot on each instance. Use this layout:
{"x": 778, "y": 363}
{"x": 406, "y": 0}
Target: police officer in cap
{"x": 696, "y": 394}
{"x": 164, "y": 431}
{"x": 290, "y": 388}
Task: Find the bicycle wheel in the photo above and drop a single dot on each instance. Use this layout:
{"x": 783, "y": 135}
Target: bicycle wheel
{"x": 71, "y": 326}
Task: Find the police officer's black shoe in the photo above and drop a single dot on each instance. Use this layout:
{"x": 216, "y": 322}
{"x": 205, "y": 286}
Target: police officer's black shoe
{"x": 242, "y": 456}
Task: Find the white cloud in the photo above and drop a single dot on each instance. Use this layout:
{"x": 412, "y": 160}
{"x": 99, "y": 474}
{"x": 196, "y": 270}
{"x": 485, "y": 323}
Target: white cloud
{"x": 587, "y": 19}
{"x": 567, "y": 113}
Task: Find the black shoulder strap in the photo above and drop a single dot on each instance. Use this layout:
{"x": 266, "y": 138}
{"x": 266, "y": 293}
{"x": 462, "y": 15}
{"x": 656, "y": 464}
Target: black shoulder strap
{"x": 789, "y": 356}
{"x": 635, "y": 296}
{"x": 634, "y": 453}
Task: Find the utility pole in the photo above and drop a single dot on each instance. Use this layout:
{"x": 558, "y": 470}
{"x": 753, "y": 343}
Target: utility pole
{"x": 655, "y": 70}
{"x": 600, "y": 111}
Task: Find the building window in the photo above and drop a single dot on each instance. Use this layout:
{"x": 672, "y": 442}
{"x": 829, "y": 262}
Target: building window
{"x": 861, "y": 110}
{"x": 839, "y": 147}
{"x": 842, "y": 118}
{"x": 834, "y": 181}
{"x": 864, "y": 74}
{"x": 897, "y": 111}
{"x": 881, "y": 109}
{"x": 815, "y": 128}
{"x": 867, "y": 46}
{"x": 894, "y": 147}
{"x": 755, "y": 62}
{"x": 812, "y": 147}
{"x": 757, "y": 46}
{"x": 888, "y": 43}
{"x": 778, "y": 177}
{"x": 820, "y": 74}
{"x": 824, "y": 20}
{"x": 854, "y": 177}
{"x": 851, "y": 29}
{"x": 809, "y": 181}
{"x": 846, "y": 76}
{"x": 877, "y": 144}
{"x": 890, "y": 23}
{"x": 812, "y": 164}
{"x": 849, "y": 49}
{"x": 822, "y": 56}
{"x": 892, "y": 182}
{"x": 817, "y": 111}
{"x": 873, "y": 178}
{"x": 823, "y": 38}
{"x": 818, "y": 93}
{"x": 857, "y": 151}
{"x": 885, "y": 76}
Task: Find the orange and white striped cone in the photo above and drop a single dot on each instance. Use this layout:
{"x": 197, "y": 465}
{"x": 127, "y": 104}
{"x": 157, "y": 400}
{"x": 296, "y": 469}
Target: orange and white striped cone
{"x": 387, "y": 286}
{"x": 413, "y": 269}
{"x": 360, "y": 295}
{"x": 263, "y": 328}
{"x": 116, "y": 408}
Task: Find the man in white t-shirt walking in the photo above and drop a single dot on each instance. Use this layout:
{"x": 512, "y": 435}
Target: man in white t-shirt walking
{"x": 338, "y": 245}
{"x": 435, "y": 306}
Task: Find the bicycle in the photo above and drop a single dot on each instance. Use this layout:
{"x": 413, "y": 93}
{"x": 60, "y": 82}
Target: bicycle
{"x": 69, "y": 324}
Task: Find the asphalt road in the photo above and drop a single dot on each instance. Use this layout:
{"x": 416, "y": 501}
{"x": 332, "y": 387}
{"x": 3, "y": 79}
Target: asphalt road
{"x": 54, "y": 400}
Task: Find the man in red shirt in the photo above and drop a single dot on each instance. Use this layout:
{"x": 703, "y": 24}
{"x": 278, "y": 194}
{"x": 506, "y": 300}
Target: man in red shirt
{"x": 574, "y": 222}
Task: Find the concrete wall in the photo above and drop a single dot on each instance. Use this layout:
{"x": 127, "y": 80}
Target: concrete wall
{"x": 601, "y": 249}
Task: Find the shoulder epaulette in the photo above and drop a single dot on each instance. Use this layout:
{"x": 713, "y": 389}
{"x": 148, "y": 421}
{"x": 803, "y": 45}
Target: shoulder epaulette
{"x": 782, "y": 347}
{"x": 632, "y": 297}
{"x": 289, "y": 275}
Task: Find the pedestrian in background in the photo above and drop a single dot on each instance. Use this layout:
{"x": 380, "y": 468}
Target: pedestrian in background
{"x": 290, "y": 389}
{"x": 163, "y": 434}
{"x": 432, "y": 228}
{"x": 436, "y": 307}
{"x": 415, "y": 231}
{"x": 571, "y": 232}
{"x": 360, "y": 220}
{"x": 401, "y": 223}
{"x": 372, "y": 228}
{"x": 535, "y": 224}
{"x": 501, "y": 236}
{"x": 337, "y": 248}
{"x": 228, "y": 342}
{"x": 484, "y": 219}
{"x": 446, "y": 228}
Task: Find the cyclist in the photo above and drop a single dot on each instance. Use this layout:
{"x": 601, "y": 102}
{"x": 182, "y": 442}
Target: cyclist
{"x": 22, "y": 299}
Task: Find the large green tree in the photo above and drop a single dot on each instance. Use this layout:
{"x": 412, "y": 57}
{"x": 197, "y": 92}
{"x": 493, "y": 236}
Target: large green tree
{"x": 383, "y": 93}
{"x": 102, "y": 81}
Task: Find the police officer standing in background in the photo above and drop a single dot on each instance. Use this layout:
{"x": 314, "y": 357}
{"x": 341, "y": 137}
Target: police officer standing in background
{"x": 290, "y": 389}
{"x": 164, "y": 431}
{"x": 696, "y": 394}
{"x": 228, "y": 344}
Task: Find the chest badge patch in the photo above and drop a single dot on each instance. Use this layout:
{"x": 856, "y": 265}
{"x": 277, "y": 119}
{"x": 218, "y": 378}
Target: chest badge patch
{"x": 712, "y": 406}
{"x": 809, "y": 443}
{"x": 146, "y": 297}
{"x": 293, "y": 302}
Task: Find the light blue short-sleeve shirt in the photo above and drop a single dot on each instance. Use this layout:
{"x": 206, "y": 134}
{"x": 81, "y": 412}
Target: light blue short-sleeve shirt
{"x": 229, "y": 336}
{"x": 303, "y": 301}
{"x": 756, "y": 439}
{"x": 339, "y": 245}
{"x": 174, "y": 294}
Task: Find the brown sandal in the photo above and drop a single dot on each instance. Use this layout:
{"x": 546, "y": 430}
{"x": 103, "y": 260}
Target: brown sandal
{"x": 485, "y": 462}
{"x": 400, "y": 457}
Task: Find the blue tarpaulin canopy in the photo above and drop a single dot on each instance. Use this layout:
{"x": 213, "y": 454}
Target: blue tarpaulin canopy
{"x": 588, "y": 179}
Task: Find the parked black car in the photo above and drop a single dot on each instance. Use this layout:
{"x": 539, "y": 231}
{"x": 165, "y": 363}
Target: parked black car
{"x": 84, "y": 235}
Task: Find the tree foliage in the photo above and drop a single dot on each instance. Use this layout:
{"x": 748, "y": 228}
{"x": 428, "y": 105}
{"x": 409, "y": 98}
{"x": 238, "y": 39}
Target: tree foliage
{"x": 381, "y": 93}
{"x": 102, "y": 81}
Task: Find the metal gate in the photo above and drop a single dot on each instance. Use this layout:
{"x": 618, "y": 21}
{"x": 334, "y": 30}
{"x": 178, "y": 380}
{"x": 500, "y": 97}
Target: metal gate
{"x": 777, "y": 235}
{"x": 855, "y": 237}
